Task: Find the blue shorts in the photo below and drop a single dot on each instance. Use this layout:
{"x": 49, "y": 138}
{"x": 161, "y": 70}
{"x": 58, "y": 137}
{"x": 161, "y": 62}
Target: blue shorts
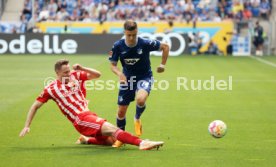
{"x": 127, "y": 92}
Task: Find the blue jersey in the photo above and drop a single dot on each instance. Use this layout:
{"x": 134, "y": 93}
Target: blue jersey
{"x": 135, "y": 60}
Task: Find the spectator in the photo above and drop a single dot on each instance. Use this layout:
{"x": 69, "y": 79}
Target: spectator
{"x": 40, "y": 4}
{"x": 195, "y": 43}
{"x": 258, "y": 39}
{"x": 264, "y": 9}
{"x": 170, "y": 29}
{"x": 212, "y": 48}
{"x": 61, "y": 4}
{"x": 103, "y": 15}
{"x": 189, "y": 10}
{"x": 71, "y": 5}
{"x": 27, "y": 11}
{"x": 52, "y": 14}
{"x": 75, "y": 16}
{"x": 229, "y": 47}
{"x": 86, "y": 17}
{"x": 255, "y": 3}
{"x": 216, "y": 18}
{"x": 221, "y": 11}
{"x": 44, "y": 14}
{"x": 204, "y": 16}
{"x": 238, "y": 9}
{"x": 247, "y": 14}
{"x": 23, "y": 25}
{"x": 52, "y": 6}
{"x": 62, "y": 15}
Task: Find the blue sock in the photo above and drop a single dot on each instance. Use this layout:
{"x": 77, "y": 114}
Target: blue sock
{"x": 121, "y": 123}
{"x": 139, "y": 111}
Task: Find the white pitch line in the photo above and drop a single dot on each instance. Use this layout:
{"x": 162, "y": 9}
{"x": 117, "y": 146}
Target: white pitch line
{"x": 263, "y": 61}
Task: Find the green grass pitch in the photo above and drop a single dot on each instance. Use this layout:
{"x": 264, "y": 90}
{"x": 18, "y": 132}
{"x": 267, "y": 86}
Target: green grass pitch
{"x": 178, "y": 117}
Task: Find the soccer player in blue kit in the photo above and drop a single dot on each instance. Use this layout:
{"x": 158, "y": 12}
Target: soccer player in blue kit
{"x": 136, "y": 76}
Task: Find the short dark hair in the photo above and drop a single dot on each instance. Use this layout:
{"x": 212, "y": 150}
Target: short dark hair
{"x": 60, "y": 63}
{"x": 130, "y": 25}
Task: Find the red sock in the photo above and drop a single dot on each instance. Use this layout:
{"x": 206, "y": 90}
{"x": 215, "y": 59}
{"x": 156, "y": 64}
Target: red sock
{"x": 126, "y": 137}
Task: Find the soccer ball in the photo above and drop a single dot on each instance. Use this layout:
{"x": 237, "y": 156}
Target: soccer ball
{"x": 217, "y": 128}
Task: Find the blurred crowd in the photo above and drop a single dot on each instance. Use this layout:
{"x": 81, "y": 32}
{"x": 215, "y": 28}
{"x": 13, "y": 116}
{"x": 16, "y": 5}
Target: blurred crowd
{"x": 142, "y": 10}
{"x": 145, "y": 10}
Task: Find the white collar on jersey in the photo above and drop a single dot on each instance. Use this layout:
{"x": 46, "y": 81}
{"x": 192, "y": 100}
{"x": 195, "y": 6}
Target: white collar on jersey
{"x": 131, "y": 46}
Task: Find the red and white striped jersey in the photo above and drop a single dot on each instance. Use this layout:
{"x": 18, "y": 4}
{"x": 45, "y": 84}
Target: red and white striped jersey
{"x": 70, "y": 97}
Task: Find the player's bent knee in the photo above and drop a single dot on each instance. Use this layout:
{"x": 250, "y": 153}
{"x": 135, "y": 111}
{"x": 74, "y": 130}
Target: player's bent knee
{"x": 141, "y": 97}
{"x": 108, "y": 129}
{"x": 141, "y": 101}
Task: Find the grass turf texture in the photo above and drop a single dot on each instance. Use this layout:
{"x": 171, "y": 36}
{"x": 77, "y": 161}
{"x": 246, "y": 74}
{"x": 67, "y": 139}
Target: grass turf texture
{"x": 180, "y": 118}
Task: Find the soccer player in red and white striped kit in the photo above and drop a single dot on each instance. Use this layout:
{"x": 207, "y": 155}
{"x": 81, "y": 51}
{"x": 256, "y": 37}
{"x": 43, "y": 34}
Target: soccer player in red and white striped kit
{"x": 69, "y": 94}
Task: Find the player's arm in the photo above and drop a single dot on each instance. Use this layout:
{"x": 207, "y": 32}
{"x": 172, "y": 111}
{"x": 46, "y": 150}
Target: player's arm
{"x": 165, "y": 53}
{"x": 91, "y": 73}
{"x": 113, "y": 58}
{"x": 36, "y": 105}
{"x": 117, "y": 71}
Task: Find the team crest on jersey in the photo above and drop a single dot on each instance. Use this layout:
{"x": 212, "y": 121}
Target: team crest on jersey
{"x": 131, "y": 61}
{"x": 73, "y": 86}
{"x": 139, "y": 51}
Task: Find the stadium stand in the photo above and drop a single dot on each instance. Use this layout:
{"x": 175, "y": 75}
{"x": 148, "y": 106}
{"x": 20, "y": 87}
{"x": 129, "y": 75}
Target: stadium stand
{"x": 140, "y": 10}
{"x": 242, "y": 12}
{"x": 146, "y": 10}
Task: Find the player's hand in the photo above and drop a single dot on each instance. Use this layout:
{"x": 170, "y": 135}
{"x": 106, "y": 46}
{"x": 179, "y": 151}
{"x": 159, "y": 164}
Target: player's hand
{"x": 161, "y": 68}
{"x": 122, "y": 78}
{"x": 77, "y": 67}
{"x": 24, "y": 131}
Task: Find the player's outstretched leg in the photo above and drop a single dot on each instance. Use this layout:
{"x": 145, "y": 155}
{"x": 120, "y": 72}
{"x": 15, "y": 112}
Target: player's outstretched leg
{"x": 99, "y": 140}
{"x": 121, "y": 123}
{"x": 148, "y": 145}
{"x": 117, "y": 144}
{"x": 125, "y": 137}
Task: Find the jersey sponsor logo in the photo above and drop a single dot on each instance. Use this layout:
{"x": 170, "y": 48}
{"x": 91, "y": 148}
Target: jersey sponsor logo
{"x": 131, "y": 61}
{"x": 139, "y": 51}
